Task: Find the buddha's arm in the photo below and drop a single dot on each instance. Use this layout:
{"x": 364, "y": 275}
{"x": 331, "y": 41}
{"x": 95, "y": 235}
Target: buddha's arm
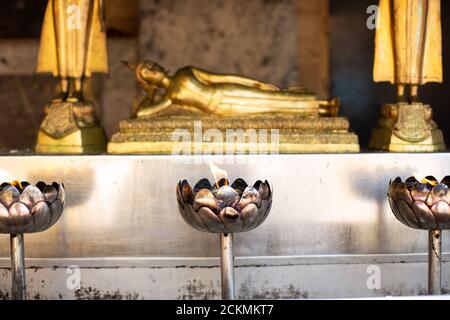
{"x": 209, "y": 78}
{"x": 152, "y": 109}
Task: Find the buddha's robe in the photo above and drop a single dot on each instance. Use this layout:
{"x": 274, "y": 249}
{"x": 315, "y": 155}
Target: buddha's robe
{"x": 408, "y": 42}
{"x": 73, "y": 39}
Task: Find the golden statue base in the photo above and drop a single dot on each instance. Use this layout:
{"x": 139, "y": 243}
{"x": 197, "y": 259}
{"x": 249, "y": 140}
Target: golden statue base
{"x": 407, "y": 128}
{"x": 82, "y": 141}
{"x": 234, "y": 135}
{"x": 70, "y": 127}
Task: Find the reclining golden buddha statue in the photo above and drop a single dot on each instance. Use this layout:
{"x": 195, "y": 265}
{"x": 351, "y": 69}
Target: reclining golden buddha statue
{"x": 224, "y": 95}
{"x": 225, "y": 102}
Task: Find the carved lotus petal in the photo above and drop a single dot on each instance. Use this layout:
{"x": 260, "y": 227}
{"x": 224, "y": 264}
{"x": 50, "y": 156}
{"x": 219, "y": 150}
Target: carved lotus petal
{"x": 407, "y": 216}
{"x": 30, "y": 196}
{"x": 401, "y": 192}
{"x": 424, "y": 215}
{"x": 50, "y": 193}
{"x": 439, "y": 193}
{"x": 420, "y": 192}
{"x": 9, "y": 195}
{"x": 441, "y": 211}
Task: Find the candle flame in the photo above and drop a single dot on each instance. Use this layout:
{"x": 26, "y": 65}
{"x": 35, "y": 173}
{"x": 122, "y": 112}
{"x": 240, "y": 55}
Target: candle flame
{"x": 425, "y": 180}
{"x": 430, "y": 182}
{"x": 17, "y": 184}
{"x": 218, "y": 173}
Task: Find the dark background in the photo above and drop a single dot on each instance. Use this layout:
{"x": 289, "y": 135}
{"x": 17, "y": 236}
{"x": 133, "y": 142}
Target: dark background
{"x": 352, "y": 47}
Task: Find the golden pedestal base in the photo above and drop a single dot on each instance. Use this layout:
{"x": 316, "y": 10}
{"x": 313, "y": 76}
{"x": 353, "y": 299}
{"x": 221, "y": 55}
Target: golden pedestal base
{"x": 70, "y": 127}
{"x": 82, "y": 141}
{"x": 407, "y": 128}
{"x": 261, "y": 134}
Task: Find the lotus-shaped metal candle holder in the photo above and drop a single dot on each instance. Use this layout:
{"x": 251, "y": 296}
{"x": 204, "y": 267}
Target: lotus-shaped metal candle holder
{"x": 25, "y": 208}
{"x": 424, "y": 205}
{"x": 224, "y": 209}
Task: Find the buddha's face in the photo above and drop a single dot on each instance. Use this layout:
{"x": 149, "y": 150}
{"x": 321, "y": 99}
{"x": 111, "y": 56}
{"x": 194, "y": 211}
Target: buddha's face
{"x": 152, "y": 73}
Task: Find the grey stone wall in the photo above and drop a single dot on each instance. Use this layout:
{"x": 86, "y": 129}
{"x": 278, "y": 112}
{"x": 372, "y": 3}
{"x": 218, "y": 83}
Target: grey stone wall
{"x": 257, "y": 38}
{"x": 22, "y": 101}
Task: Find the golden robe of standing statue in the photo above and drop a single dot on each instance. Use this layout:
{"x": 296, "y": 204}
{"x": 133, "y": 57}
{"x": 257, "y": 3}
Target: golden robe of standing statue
{"x": 73, "y": 42}
{"x": 408, "y": 43}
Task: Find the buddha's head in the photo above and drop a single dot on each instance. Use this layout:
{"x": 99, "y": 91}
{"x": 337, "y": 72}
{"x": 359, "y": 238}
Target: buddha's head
{"x": 149, "y": 73}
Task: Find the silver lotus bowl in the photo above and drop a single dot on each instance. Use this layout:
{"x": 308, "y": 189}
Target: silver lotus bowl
{"x": 421, "y": 205}
{"x": 224, "y": 208}
{"x": 26, "y": 208}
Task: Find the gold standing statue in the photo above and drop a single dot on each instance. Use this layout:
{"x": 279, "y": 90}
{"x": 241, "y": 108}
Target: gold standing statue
{"x": 73, "y": 47}
{"x": 408, "y": 53}
{"x": 223, "y": 102}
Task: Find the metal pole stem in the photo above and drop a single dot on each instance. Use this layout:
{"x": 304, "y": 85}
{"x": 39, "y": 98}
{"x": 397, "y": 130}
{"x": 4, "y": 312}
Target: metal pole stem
{"x": 18, "y": 291}
{"x": 227, "y": 265}
{"x": 434, "y": 262}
